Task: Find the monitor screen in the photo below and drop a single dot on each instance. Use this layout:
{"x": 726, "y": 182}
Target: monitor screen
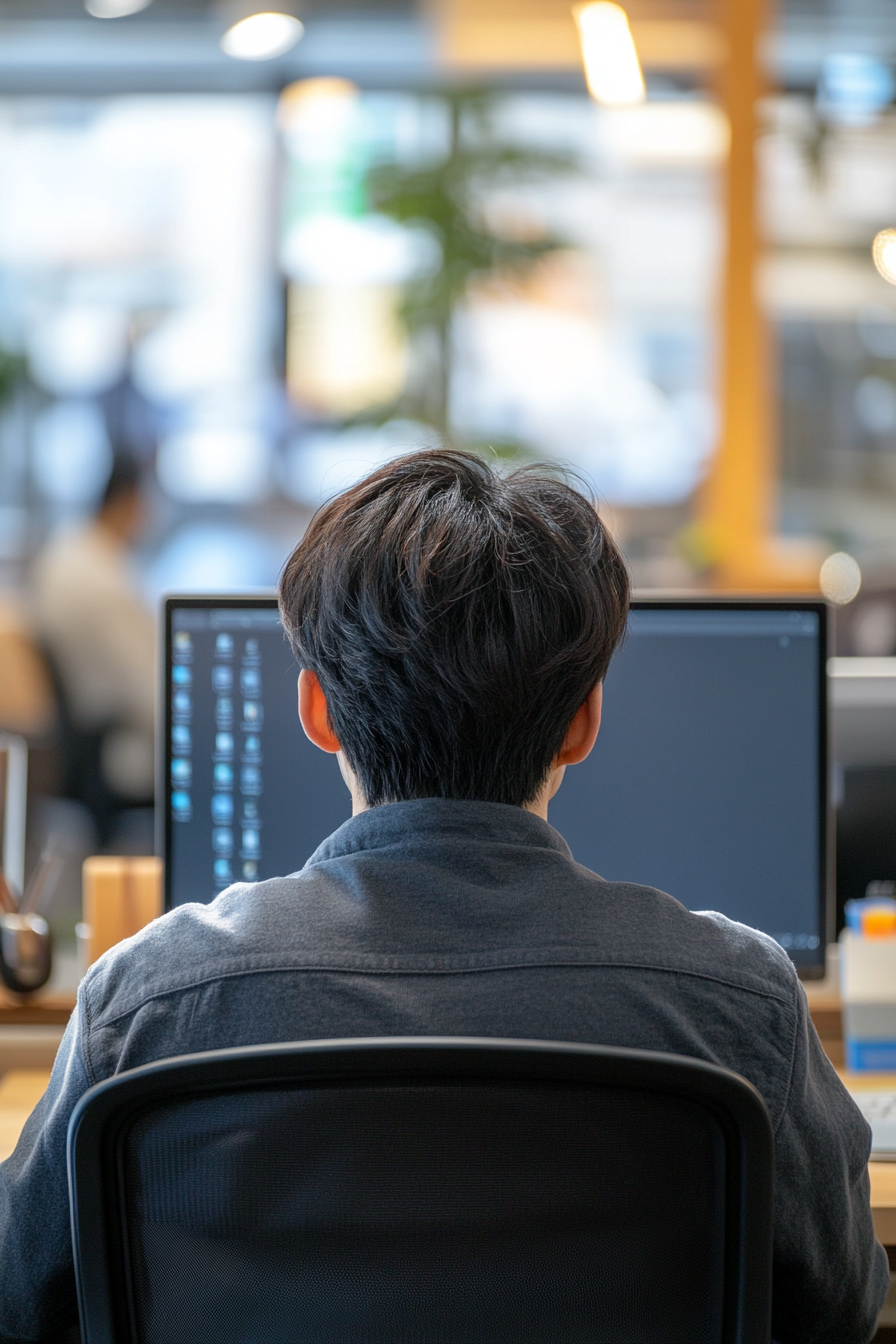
{"x": 249, "y": 797}
{"x": 707, "y": 779}
{"x": 708, "y": 776}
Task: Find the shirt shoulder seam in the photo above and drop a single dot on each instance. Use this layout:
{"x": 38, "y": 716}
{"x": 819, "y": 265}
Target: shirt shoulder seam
{"x": 324, "y": 967}
{"x": 85, "y": 1044}
{"x": 797, "y": 1015}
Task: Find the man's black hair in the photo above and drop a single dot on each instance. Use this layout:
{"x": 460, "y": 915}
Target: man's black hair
{"x": 125, "y": 478}
{"x": 456, "y": 619}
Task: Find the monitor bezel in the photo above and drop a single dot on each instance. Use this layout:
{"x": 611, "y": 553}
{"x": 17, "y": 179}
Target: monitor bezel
{"x": 268, "y": 599}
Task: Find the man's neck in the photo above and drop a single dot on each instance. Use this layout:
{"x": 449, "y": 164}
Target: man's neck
{"x": 538, "y": 806}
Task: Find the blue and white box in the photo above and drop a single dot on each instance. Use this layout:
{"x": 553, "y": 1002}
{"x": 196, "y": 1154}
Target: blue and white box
{"x": 868, "y": 990}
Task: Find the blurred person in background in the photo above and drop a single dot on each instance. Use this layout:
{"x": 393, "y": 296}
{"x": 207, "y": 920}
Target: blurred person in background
{"x": 98, "y": 636}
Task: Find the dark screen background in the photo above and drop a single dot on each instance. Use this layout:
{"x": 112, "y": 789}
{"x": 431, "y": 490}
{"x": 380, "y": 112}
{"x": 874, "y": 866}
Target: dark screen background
{"x": 302, "y": 797}
{"x": 704, "y": 781}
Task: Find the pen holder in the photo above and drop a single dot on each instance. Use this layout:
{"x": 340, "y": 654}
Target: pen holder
{"x": 26, "y": 952}
{"x": 868, "y": 990}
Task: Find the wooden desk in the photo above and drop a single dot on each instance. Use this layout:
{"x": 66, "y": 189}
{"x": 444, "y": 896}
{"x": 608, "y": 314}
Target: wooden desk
{"x": 20, "y": 1091}
{"x": 883, "y": 1201}
{"x": 883, "y": 1174}
{"x": 40, "y": 1010}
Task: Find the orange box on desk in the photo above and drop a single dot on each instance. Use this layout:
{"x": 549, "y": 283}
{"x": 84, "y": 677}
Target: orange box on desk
{"x": 120, "y": 897}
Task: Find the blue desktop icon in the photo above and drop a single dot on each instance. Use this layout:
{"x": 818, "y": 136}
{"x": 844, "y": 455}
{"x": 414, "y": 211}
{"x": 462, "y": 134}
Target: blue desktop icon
{"x": 222, "y": 839}
{"x": 222, "y": 679}
{"x": 181, "y": 675}
{"x": 180, "y": 805}
{"x": 222, "y": 807}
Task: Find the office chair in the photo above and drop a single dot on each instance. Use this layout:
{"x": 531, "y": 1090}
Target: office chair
{"x": 423, "y": 1191}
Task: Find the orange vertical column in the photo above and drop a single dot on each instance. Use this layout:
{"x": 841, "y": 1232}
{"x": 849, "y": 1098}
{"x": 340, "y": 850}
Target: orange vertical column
{"x": 738, "y": 500}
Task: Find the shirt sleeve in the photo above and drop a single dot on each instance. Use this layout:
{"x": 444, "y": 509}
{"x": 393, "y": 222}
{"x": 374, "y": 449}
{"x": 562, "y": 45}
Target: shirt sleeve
{"x": 830, "y": 1273}
{"x": 38, "y": 1300}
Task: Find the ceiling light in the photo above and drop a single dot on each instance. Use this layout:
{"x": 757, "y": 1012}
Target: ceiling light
{"x": 114, "y": 9}
{"x": 883, "y": 250}
{"x": 260, "y": 37}
{"x": 612, "y": 70}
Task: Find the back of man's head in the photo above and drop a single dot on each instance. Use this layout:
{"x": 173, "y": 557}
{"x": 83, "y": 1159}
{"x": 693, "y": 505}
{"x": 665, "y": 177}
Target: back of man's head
{"x": 456, "y": 619}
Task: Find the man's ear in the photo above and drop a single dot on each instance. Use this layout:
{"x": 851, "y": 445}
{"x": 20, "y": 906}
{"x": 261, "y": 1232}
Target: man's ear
{"x": 582, "y": 732}
{"x": 313, "y": 713}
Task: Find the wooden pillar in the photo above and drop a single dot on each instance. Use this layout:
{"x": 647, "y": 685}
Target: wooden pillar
{"x": 738, "y": 500}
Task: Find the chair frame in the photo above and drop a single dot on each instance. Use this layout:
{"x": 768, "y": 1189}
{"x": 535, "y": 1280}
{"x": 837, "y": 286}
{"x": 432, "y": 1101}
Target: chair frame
{"x": 100, "y": 1123}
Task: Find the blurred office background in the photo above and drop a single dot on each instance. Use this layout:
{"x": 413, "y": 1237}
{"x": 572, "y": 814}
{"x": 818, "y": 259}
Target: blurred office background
{"x": 258, "y": 278}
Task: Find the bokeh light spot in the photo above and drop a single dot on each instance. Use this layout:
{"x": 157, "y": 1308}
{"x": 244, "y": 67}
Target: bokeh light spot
{"x": 840, "y": 578}
{"x": 260, "y": 37}
{"x": 883, "y": 250}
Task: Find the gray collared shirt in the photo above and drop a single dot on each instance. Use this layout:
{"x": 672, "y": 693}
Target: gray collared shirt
{"x": 442, "y": 917}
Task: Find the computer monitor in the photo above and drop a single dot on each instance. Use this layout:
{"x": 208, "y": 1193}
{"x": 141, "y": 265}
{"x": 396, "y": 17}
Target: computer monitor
{"x": 863, "y": 712}
{"x": 863, "y": 752}
{"x": 708, "y": 778}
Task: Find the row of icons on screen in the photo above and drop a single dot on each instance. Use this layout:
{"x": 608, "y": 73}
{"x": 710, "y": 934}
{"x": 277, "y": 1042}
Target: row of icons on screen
{"x": 223, "y": 766}
{"x": 798, "y": 942}
{"x": 181, "y": 731}
{"x": 236, "y": 760}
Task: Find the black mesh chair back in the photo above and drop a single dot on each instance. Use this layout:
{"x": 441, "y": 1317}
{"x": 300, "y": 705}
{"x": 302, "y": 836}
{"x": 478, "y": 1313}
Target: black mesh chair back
{"x": 423, "y": 1191}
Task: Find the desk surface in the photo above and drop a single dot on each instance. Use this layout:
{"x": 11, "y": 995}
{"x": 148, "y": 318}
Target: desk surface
{"x": 21, "y": 1089}
{"x": 39, "y": 1010}
{"x": 883, "y": 1174}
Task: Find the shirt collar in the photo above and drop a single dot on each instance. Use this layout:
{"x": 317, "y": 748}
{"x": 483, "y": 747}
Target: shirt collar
{"x": 439, "y": 820}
